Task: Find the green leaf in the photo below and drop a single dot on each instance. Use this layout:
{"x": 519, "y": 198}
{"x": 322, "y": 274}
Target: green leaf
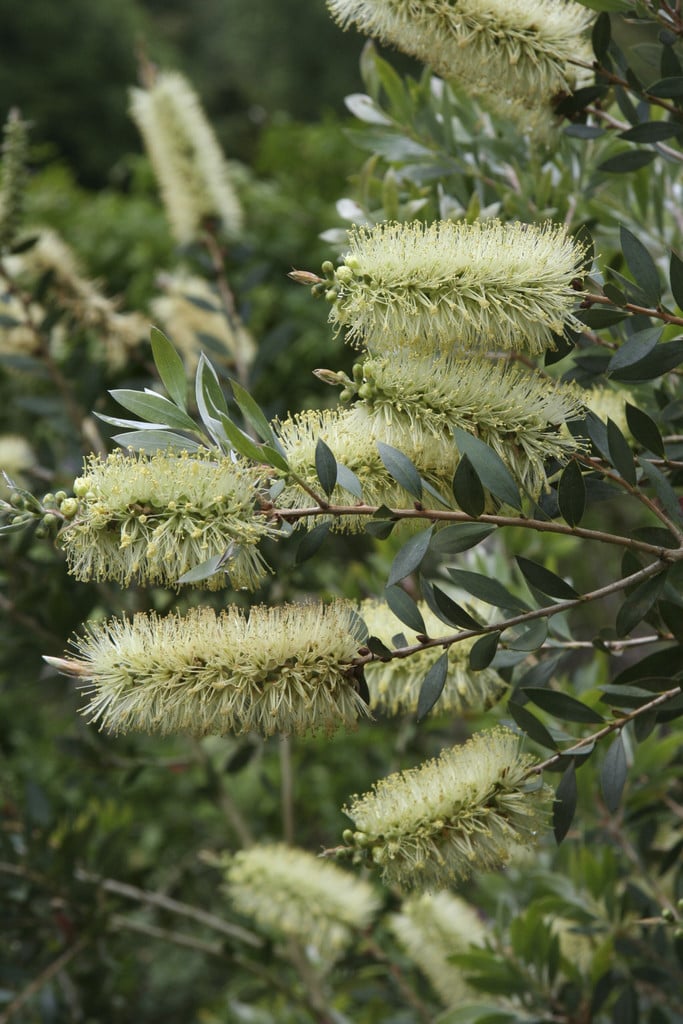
{"x": 467, "y": 488}
{"x": 410, "y": 557}
{"x": 239, "y": 441}
{"x": 644, "y": 430}
{"x": 526, "y": 638}
{"x": 484, "y": 651}
{"x": 584, "y": 239}
{"x": 449, "y": 611}
{"x": 487, "y": 589}
{"x": 667, "y": 88}
{"x": 641, "y": 265}
{"x": 620, "y": 453}
{"x": 600, "y": 317}
{"x": 363, "y": 107}
{"x": 545, "y": 580}
{"x": 348, "y": 481}
{"x": 651, "y": 131}
{"x": 376, "y": 647}
{"x": 667, "y": 662}
{"x": 450, "y": 540}
{"x": 659, "y": 361}
{"x": 635, "y": 348}
{"x": 405, "y": 609}
{"x": 627, "y": 161}
{"x": 489, "y": 466}
{"x": 571, "y": 494}
{"x": 401, "y": 469}
{"x": 170, "y": 367}
{"x": 564, "y": 807}
{"x": 432, "y": 687}
{"x": 676, "y": 278}
{"x": 154, "y": 408}
{"x": 204, "y": 570}
{"x": 601, "y": 35}
{"x": 311, "y": 542}
{"x": 613, "y": 774}
{"x": 380, "y": 528}
{"x": 156, "y": 440}
{"x": 529, "y": 724}
{"x": 253, "y": 413}
{"x": 325, "y": 467}
{"x": 663, "y": 490}
{"x": 210, "y": 399}
{"x": 561, "y": 705}
{"x": 638, "y": 604}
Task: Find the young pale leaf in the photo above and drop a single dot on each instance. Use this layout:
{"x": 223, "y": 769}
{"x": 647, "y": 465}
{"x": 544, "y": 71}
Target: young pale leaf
{"x": 571, "y": 494}
{"x": 467, "y": 489}
{"x": 459, "y": 537}
{"x": 663, "y": 490}
{"x": 644, "y": 429}
{"x": 561, "y": 705}
{"x": 565, "y": 804}
{"x": 484, "y": 651}
{"x": 451, "y": 612}
{"x": 348, "y": 480}
{"x": 490, "y": 468}
{"x": 156, "y": 440}
{"x": 529, "y": 724}
{"x": 210, "y": 400}
{"x": 311, "y": 542}
{"x": 487, "y": 589}
{"x": 641, "y": 265}
{"x": 544, "y": 580}
{"x": 203, "y": 570}
{"x": 325, "y": 467}
{"x": 432, "y": 687}
{"x": 153, "y": 408}
{"x": 621, "y": 455}
{"x": 253, "y": 413}
{"x": 638, "y": 604}
{"x": 410, "y": 557}
{"x": 170, "y": 367}
{"x": 613, "y": 774}
{"x": 405, "y": 609}
{"x": 676, "y": 278}
{"x": 401, "y": 469}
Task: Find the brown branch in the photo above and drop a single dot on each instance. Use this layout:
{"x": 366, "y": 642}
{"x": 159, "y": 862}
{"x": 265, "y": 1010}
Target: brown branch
{"x": 591, "y": 299}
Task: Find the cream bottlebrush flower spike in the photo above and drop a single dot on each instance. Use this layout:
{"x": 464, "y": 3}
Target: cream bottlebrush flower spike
{"x": 352, "y": 437}
{"x": 518, "y": 413}
{"x": 284, "y": 669}
{"x": 292, "y": 894}
{"x": 434, "y": 927}
{"x": 152, "y": 518}
{"x": 521, "y": 49}
{"x": 465, "y": 811}
{"x": 395, "y": 685}
{"x": 187, "y": 160}
{"x": 453, "y": 286}
{"x": 13, "y": 177}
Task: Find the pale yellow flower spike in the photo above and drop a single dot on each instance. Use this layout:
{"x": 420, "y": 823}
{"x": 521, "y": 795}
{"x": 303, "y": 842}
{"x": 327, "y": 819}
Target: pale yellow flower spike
{"x": 290, "y": 893}
{"x": 465, "y": 811}
{"x": 279, "y": 670}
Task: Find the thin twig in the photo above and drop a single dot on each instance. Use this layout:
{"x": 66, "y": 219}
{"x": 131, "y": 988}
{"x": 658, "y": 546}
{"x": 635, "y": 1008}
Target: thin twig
{"x": 591, "y": 299}
{"x": 42, "y": 979}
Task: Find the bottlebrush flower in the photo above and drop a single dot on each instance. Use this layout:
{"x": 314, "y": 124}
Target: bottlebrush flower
{"x": 451, "y": 286}
{"x": 517, "y": 412}
{"x": 517, "y": 49}
{"x": 150, "y": 519}
{"x": 395, "y": 685}
{"x": 292, "y": 894}
{"x": 13, "y": 177}
{"x": 186, "y": 157}
{"x": 434, "y": 927}
{"x": 282, "y": 669}
{"x": 465, "y": 811}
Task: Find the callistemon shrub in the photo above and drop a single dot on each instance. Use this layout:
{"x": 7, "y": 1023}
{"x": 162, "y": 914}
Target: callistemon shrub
{"x": 451, "y": 286}
{"x": 290, "y": 893}
{"x": 522, "y": 50}
{"x": 150, "y": 519}
{"x": 467, "y": 810}
{"x": 283, "y": 669}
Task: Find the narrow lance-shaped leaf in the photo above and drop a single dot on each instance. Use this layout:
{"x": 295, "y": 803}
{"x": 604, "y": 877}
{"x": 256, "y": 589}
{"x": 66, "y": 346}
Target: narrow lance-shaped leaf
{"x": 170, "y": 367}
{"x": 571, "y": 494}
{"x": 449, "y": 611}
{"x": 401, "y": 469}
{"x": 432, "y": 687}
{"x": 467, "y": 489}
{"x": 676, "y": 278}
{"x": 644, "y": 429}
{"x": 153, "y": 408}
{"x": 565, "y": 804}
{"x": 311, "y": 542}
{"x": 460, "y": 537}
{"x": 484, "y": 651}
{"x": 613, "y": 774}
{"x": 487, "y": 589}
{"x": 561, "y": 705}
{"x": 410, "y": 557}
{"x": 638, "y": 604}
{"x": 405, "y": 609}
{"x": 663, "y": 490}
{"x": 620, "y": 454}
{"x": 253, "y": 413}
{"x": 347, "y": 479}
{"x": 529, "y": 724}
{"x": 544, "y": 580}
{"x": 641, "y": 265}
{"x": 491, "y": 469}
{"x": 155, "y": 440}
{"x": 325, "y": 467}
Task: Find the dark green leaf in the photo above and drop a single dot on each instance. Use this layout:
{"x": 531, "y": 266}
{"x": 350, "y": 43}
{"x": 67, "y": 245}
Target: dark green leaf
{"x": 484, "y": 651}
{"x": 450, "y": 540}
{"x": 409, "y": 558}
{"x": 376, "y": 647}
{"x": 432, "y": 687}
{"x": 670, "y": 65}
{"x": 401, "y": 469}
{"x": 240, "y": 441}
{"x": 451, "y": 612}
{"x": 651, "y": 131}
{"x": 635, "y": 348}
{"x": 435, "y": 494}
{"x": 489, "y": 466}
{"x": 405, "y": 609}
{"x": 638, "y": 604}
{"x": 487, "y": 589}
{"x": 155, "y": 440}
{"x": 584, "y": 131}
{"x": 601, "y": 35}
{"x": 672, "y": 614}
{"x": 667, "y": 88}
{"x": 153, "y": 408}
{"x": 561, "y": 705}
{"x": 311, "y": 542}
{"x": 348, "y": 481}
{"x": 667, "y": 663}
{"x": 565, "y": 804}
{"x": 571, "y": 494}
{"x": 545, "y": 580}
{"x": 644, "y": 724}
{"x": 660, "y": 360}
{"x": 676, "y": 278}
{"x": 629, "y": 160}
{"x": 620, "y": 454}
{"x": 170, "y": 367}
{"x": 527, "y": 638}
{"x": 467, "y": 489}
{"x": 529, "y": 724}
{"x": 644, "y": 429}
{"x": 600, "y": 317}
{"x": 663, "y": 490}
{"x": 614, "y": 294}
{"x": 584, "y": 239}
{"x": 641, "y": 265}
{"x": 613, "y": 774}
{"x": 380, "y": 528}
{"x": 253, "y": 413}
{"x": 325, "y": 467}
